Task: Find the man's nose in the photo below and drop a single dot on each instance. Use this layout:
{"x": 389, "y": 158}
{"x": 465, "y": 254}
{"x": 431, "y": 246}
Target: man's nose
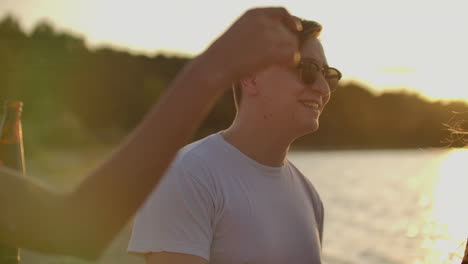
{"x": 321, "y": 85}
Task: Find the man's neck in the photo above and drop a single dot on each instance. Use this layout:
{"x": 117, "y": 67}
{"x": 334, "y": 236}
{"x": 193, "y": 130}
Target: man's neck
{"x": 260, "y": 144}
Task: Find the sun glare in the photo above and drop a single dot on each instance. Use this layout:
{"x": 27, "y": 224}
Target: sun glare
{"x": 450, "y": 208}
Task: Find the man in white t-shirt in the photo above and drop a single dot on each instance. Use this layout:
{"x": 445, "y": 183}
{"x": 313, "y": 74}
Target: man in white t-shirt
{"x": 233, "y": 197}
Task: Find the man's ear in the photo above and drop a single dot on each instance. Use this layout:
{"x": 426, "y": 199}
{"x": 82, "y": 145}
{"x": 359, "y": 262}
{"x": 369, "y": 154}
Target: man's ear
{"x": 249, "y": 85}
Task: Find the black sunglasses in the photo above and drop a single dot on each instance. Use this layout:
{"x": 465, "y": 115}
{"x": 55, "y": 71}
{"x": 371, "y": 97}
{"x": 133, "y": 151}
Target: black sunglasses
{"x": 308, "y": 71}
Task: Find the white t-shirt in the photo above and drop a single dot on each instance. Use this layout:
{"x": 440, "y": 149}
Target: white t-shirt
{"x": 219, "y": 204}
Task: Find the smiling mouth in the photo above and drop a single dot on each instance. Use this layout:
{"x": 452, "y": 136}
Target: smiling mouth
{"x": 311, "y": 105}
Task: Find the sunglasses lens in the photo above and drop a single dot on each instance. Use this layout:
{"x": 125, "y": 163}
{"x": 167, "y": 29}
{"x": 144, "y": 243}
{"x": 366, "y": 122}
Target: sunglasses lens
{"x": 309, "y": 73}
{"x": 332, "y": 76}
{"x": 309, "y": 76}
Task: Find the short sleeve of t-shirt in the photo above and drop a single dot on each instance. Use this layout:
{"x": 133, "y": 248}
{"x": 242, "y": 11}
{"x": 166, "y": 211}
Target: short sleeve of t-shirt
{"x": 177, "y": 217}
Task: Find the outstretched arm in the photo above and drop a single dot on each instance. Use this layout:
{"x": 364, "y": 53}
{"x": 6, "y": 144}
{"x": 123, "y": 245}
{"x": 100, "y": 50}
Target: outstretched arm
{"x": 83, "y": 222}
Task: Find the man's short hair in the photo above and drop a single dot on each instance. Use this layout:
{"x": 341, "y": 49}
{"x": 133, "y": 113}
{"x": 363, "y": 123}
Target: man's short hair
{"x": 310, "y": 28}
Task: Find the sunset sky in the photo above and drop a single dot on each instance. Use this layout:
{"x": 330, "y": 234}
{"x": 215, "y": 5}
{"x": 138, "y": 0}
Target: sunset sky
{"x": 422, "y": 45}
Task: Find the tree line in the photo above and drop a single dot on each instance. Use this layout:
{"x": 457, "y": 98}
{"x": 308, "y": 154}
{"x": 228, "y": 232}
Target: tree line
{"x": 74, "y": 95}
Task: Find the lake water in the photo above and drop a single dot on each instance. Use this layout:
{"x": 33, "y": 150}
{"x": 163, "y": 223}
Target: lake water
{"x": 395, "y": 207}
{"x": 406, "y": 206}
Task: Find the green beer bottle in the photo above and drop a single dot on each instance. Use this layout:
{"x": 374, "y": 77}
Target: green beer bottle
{"x": 12, "y": 156}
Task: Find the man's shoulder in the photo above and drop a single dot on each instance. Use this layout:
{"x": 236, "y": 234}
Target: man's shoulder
{"x": 197, "y": 154}
{"x": 200, "y": 147}
{"x": 307, "y": 183}
{"x": 311, "y": 192}
{"x": 295, "y": 170}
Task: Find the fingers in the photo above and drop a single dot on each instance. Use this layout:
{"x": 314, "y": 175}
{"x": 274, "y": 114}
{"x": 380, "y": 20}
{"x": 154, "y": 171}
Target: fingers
{"x": 286, "y": 46}
{"x": 294, "y": 26}
{"x": 283, "y": 15}
{"x": 292, "y": 23}
{"x": 298, "y": 24}
{"x": 260, "y": 38}
{"x": 288, "y": 57}
{"x": 296, "y": 58}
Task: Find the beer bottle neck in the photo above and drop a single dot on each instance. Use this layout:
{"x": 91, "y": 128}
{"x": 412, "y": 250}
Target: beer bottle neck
{"x": 12, "y": 114}
{"x": 12, "y": 110}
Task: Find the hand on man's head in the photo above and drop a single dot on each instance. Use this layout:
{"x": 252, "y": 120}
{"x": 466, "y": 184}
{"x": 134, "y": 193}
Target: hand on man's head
{"x": 261, "y": 37}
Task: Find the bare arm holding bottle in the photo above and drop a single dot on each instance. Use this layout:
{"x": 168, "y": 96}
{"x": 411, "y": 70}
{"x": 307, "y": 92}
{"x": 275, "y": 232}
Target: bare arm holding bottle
{"x": 83, "y": 222}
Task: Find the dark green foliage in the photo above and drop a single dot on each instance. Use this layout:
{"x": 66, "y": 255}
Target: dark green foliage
{"x": 74, "y": 95}
{"x": 356, "y": 118}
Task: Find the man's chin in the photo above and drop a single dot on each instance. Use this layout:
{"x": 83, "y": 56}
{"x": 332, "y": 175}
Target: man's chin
{"x": 313, "y": 129}
{"x": 310, "y": 128}
{"x": 314, "y": 126}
